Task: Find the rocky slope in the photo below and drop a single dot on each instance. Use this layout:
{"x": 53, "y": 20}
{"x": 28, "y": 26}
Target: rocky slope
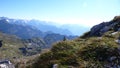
{"x": 10, "y": 46}
{"x": 13, "y": 47}
{"x": 98, "y": 48}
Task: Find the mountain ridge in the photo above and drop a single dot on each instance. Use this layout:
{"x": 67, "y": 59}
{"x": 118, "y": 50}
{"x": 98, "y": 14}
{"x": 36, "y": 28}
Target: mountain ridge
{"x": 100, "y": 50}
{"x": 44, "y": 26}
{"x": 33, "y": 38}
{"x": 40, "y": 25}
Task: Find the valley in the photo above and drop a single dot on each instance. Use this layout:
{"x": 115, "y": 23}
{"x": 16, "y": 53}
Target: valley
{"x": 21, "y": 41}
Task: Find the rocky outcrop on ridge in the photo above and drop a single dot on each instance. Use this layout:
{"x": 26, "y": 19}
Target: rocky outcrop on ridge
{"x": 100, "y": 29}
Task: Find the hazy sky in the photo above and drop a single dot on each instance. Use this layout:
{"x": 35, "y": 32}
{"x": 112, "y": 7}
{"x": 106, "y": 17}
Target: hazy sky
{"x": 83, "y": 12}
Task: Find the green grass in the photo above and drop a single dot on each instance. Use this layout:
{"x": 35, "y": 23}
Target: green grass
{"x": 91, "y": 52}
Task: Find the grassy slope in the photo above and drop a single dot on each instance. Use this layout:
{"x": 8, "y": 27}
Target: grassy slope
{"x": 92, "y": 52}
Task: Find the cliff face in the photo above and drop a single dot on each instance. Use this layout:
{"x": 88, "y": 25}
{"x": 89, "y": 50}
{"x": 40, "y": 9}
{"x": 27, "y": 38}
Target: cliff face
{"x": 100, "y": 29}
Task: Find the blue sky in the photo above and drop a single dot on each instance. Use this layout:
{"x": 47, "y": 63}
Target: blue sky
{"x": 82, "y": 12}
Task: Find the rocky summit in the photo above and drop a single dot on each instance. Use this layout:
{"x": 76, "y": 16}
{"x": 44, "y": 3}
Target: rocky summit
{"x": 101, "y": 28}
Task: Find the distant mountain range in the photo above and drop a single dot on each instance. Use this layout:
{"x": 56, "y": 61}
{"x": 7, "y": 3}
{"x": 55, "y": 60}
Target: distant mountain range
{"x": 35, "y": 24}
{"x": 29, "y": 29}
{"x": 23, "y": 37}
{"x": 66, "y": 29}
{"x": 32, "y": 30}
{"x": 21, "y": 31}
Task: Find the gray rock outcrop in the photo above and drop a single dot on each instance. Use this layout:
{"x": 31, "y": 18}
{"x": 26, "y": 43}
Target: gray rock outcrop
{"x": 101, "y": 28}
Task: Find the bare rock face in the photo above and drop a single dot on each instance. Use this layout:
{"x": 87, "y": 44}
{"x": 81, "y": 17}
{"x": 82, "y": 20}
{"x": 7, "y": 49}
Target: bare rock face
{"x": 101, "y": 28}
{"x": 95, "y": 30}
